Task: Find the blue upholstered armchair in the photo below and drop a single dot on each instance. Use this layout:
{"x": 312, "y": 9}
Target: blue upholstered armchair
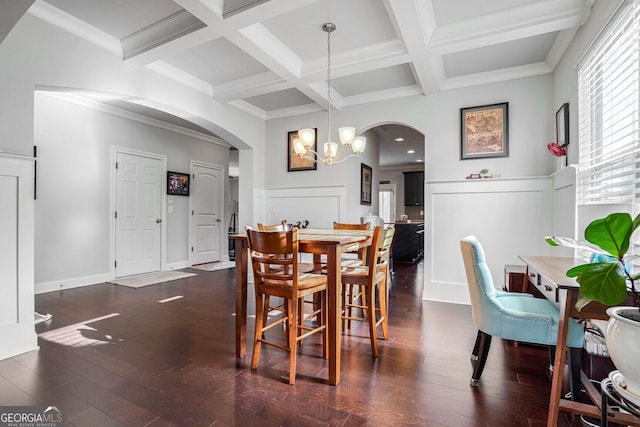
{"x": 511, "y": 316}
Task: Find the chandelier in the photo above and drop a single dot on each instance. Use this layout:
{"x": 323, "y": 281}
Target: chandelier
{"x": 303, "y": 145}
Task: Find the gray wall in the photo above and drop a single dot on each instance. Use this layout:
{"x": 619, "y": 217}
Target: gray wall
{"x": 72, "y": 211}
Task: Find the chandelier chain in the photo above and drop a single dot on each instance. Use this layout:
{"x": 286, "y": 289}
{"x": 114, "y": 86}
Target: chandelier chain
{"x": 329, "y": 83}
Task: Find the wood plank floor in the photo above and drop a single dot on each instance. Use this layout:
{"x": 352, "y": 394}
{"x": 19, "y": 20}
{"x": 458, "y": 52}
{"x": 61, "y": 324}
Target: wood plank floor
{"x": 114, "y": 356}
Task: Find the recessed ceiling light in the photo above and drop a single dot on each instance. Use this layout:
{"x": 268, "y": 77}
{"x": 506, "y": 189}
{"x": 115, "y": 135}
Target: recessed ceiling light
{"x": 411, "y": 151}
{"x": 399, "y": 139}
{"x": 419, "y": 160}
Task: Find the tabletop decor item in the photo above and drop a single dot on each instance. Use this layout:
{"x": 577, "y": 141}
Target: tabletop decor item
{"x": 608, "y": 278}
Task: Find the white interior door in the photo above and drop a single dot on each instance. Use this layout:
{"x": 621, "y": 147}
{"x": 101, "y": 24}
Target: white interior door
{"x": 207, "y": 192}
{"x": 138, "y": 214}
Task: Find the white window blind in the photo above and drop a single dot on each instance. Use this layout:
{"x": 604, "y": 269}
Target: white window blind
{"x": 609, "y": 92}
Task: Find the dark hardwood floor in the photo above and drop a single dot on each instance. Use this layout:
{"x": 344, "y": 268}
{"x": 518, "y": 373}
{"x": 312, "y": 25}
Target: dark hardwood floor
{"x": 115, "y": 356}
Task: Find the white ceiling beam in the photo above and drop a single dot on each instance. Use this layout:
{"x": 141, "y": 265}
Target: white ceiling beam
{"x": 171, "y": 47}
{"x": 382, "y": 95}
{"x": 367, "y": 58}
{"x": 559, "y": 47}
{"x": 513, "y": 73}
{"x": 511, "y": 24}
{"x": 172, "y": 27}
{"x": 415, "y": 22}
{"x": 258, "y": 84}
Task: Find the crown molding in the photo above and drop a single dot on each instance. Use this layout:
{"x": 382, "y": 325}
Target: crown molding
{"x": 73, "y": 25}
{"x": 170, "y": 28}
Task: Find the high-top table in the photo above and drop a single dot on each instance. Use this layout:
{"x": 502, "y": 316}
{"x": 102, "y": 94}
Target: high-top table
{"x": 329, "y": 242}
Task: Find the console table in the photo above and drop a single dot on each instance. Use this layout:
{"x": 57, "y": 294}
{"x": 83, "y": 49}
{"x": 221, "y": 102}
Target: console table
{"x": 548, "y": 275}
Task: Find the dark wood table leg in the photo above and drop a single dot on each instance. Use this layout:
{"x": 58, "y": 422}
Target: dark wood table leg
{"x": 241, "y": 296}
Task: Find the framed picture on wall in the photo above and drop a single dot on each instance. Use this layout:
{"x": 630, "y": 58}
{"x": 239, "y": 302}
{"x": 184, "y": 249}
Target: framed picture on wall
{"x": 562, "y": 128}
{"x": 365, "y": 184}
{"x": 177, "y": 184}
{"x": 484, "y": 131}
{"x": 297, "y": 163}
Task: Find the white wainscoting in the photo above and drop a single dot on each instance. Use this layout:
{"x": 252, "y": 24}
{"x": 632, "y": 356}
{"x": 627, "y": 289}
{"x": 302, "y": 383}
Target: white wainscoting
{"x": 319, "y": 205}
{"x": 564, "y": 207}
{"x": 17, "y": 330}
{"x": 510, "y": 217}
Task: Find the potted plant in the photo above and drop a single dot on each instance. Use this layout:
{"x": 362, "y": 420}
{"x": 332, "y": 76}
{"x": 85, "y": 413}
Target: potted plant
{"x": 608, "y": 279}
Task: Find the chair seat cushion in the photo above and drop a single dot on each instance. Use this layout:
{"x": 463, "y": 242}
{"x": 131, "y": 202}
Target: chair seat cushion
{"x": 527, "y": 319}
{"x": 305, "y": 281}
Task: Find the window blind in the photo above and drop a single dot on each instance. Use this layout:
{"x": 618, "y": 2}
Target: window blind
{"x": 608, "y": 113}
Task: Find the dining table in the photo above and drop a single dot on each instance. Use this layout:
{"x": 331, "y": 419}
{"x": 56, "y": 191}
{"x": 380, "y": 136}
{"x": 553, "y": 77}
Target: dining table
{"x": 329, "y": 242}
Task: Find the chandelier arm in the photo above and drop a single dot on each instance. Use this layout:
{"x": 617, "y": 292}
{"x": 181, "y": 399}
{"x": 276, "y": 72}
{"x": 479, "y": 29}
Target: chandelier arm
{"x": 317, "y": 159}
{"x": 342, "y": 160}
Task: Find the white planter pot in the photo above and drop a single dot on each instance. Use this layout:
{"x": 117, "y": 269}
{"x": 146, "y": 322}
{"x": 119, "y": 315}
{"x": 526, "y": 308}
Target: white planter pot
{"x": 623, "y": 344}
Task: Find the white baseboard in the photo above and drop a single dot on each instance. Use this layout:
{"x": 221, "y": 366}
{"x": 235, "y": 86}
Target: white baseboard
{"x": 177, "y": 265}
{"x": 455, "y": 293}
{"x": 17, "y": 339}
{"x": 76, "y": 282}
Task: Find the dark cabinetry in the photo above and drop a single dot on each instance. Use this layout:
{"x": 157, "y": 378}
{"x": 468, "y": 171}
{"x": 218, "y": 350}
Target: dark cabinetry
{"x": 408, "y": 242}
{"x": 414, "y": 188}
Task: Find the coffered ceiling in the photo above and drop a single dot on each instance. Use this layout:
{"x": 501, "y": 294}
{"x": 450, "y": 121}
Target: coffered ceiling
{"x": 269, "y": 57}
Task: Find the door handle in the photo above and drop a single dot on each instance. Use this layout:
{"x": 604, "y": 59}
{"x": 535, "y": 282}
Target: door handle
{"x": 158, "y": 221}
{"x": 218, "y": 220}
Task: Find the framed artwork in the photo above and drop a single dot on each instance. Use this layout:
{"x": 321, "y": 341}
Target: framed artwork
{"x": 484, "y": 131}
{"x": 562, "y": 129}
{"x": 177, "y": 184}
{"x": 365, "y": 184}
{"x": 562, "y": 125}
{"x": 297, "y": 163}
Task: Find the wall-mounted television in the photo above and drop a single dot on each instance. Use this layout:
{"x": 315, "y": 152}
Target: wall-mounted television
{"x": 177, "y": 184}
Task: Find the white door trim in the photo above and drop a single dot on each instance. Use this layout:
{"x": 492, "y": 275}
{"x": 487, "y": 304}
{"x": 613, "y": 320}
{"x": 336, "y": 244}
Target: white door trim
{"x": 115, "y": 150}
{"x": 223, "y": 233}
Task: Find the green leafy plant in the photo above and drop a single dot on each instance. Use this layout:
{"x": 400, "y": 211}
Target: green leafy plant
{"x": 605, "y": 279}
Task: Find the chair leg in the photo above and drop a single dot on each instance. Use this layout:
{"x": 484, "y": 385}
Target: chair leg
{"x": 267, "y": 304}
{"x": 300, "y": 318}
{"x": 575, "y": 362}
{"x": 382, "y": 300}
{"x": 261, "y": 311}
{"x": 343, "y": 306}
{"x": 484, "y": 345}
{"x": 371, "y": 317}
{"x": 323, "y": 320}
{"x": 476, "y": 347}
{"x": 293, "y": 339}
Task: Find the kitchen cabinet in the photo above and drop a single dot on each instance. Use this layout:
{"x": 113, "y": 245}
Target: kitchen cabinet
{"x": 408, "y": 242}
{"x": 414, "y": 188}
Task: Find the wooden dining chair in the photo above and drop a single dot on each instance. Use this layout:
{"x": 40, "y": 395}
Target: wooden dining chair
{"x": 280, "y": 248}
{"x": 283, "y": 226}
{"x": 302, "y": 267}
{"x": 369, "y": 285}
{"x": 361, "y": 254}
